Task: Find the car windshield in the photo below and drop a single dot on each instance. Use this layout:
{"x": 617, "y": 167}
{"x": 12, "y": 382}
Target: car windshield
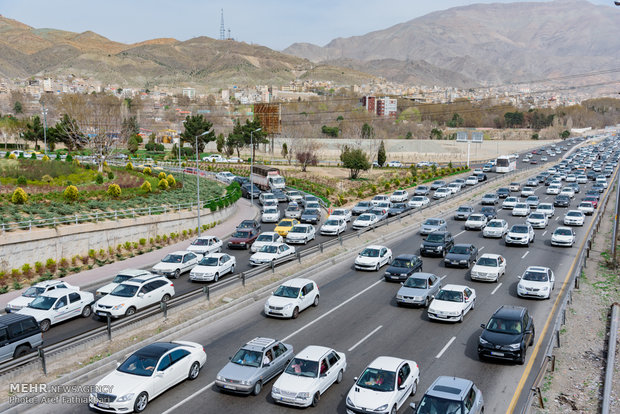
{"x": 299, "y": 229}
{"x": 574, "y": 214}
{"x": 450, "y": 296}
{"x": 286, "y": 292}
{"x": 363, "y": 204}
{"x": 370, "y": 253}
{"x": 506, "y": 326}
{"x": 399, "y": 206}
{"x": 476, "y": 217}
{"x": 269, "y": 249}
{"x": 33, "y": 291}
{"x": 488, "y": 210}
{"x": 538, "y": 216}
{"x": 464, "y": 209}
{"x": 42, "y": 302}
{"x": 331, "y": 223}
{"x": 431, "y": 222}
{"x": 246, "y": 224}
{"x": 532, "y": 198}
{"x": 536, "y": 276}
{"x": 377, "y": 380}
{"x": 310, "y": 212}
{"x": 270, "y": 211}
{"x": 125, "y": 291}
{"x": 436, "y": 405}
{"x": 201, "y": 242}
{"x": 209, "y": 261}
{"x": 140, "y": 363}
{"x": 265, "y": 238}
{"x": 365, "y": 217}
{"x": 303, "y": 368}
{"x": 241, "y": 234}
{"x": 172, "y": 258}
{"x": 339, "y": 213}
{"x": 435, "y": 238}
{"x": 495, "y": 224}
{"x": 121, "y": 278}
{"x": 588, "y": 205}
{"x": 489, "y": 196}
{"x": 459, "y": 249}
{"x": 510, "y": 200}
{"x": 562, "y": 197}
{"x": 487, "y": 261}
{"x": 292, "y": 208}
{"x": 518, "y": 229}
{"x": 416, "y": 282}
{"x": 400, "y": 262}
{"x": 423, "y": 188}
{"x": 417, "y": 198}
{"x": 520, "y": 205}
{"x": 247, "y": 358}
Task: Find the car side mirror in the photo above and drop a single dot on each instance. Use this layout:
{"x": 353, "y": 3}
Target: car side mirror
{"x": 402, "y": 283}
{"x": 118, "y": 364}
{"x": 159, "y": 374}
{"x": 483, "y": 326}
{"x": 519, "y": 277}
{"x": 140, "y": 294}
{"x": 323, "y": 374}
{"x": 268, "y": 364}
{"x": 528, "y": 332}
{"x": 230, "y": 358}
{"x": 412, "y": 405}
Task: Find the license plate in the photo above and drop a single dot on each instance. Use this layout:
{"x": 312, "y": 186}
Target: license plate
{"x": 393, "y": 277}
{"x": 101, "y": 314}
{"x": 229, "y": 387}
{"x": 494, "y": 353}
{"x": 103, "y": 405}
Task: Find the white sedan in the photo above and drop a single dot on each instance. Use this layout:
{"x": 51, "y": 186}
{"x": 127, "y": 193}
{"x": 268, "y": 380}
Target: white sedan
{"x": 206, "y": 245}
{"x": 553, "y": 189}
{"x": 34, "y": 291}
{"x": 418, "y": 201}
{"x": 442, "y": 192}
{"x": 341, "y": 213}
{"x": 574, "y": 218}
{"x": 536, "y": 281}
{"x": 521, "y": 209}
{"x": 365, "y": 220}
{"x": 120, "y": 277}
{"x": 176, "y": 263}
{"x": 546, "y": 208}
{"x": 292, "y": 297}
{"x": 471, "y": 180}
{"x": 586, "y": 208}
{"x": 212, "y": 267}
{"x": 538, "y": 220}
{"x": 563, "y": 236}
{"x": 59, "y": 305}
{"x": 489, "y": 268}
{"x": 568, "y": 191}
{"x": 301, "y": 233}
{"x": 495, "y": 228}
{"x": 373, "y": 257}
{"x": 268, "y": 237}
{"x": 147, "y": 373}
{"x": 475, "y": 222}
{"x": 271, "y": 252}
{"x": 452, "y": 303}
{"x": 309, "y": 375}
{"x": 333, "y": 227}
{"x": 270, "y": 215}
{"x": 399, "y": 196}
{"x": 384, "y": 386}
{"x": 510, "y": 202}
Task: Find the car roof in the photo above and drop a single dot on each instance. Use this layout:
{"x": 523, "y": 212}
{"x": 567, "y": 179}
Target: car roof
{"x": 386, "y": 363}
{"x": 490, "y": 256}
{"x": 406, "y": 256}
{"x": 157, "y": 349}
{"x": 313, "y": 352}
{"x": 46, "y": 283}
{"x": 181, "y": 252}
{"x": 142, "y": 279}
{"x": 56, "y": 293}
{"x": 424, "y": 275}
{"x": 537, "y": 268}
{"x": 269, "y": 233}
{"x": 217, "y": 255}
{"x": 9, "y": 318}
{"x": 375, "y": 246}
{"x": 450, "y": 388}
{"x": 297, "y": 282}
{"x": 259, "y": 344}
{"x": 509, "y": 312}
{"x": 455, "y": 287}
{"x": 133, "y": 272}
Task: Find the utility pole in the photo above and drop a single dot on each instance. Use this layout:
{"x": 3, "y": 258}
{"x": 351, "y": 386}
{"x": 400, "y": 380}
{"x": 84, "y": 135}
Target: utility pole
{"x": 252, "y": 164}
{"x": 198, "y": 180}
{"x": 614, "y": 233}
{"x": 44, "y": 128}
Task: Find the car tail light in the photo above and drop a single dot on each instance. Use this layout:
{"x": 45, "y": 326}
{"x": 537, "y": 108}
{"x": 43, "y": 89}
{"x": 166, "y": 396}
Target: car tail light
{"x": 171, "y": 284}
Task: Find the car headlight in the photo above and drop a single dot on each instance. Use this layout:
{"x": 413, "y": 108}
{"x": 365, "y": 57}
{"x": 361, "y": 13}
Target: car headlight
{"x": 463, "y": 261}
{"x": 349, "y": 402}
{"x": 220, "y": 378}
{"x": 514, "y": 347}
{"x": 288, "y": 306}
{"x": 246, "y": 382}
{"x": 439, "y": 247}
{"x": 546, "y": 288}
{"x": 421, "y": 246}
{"x": 120, "y": 306}
{"x": 382, "y": 408}
{"x": 399, "y": 296}
{"x": 483, "y": 341}
{"x": 275, "y": 390}
{"x": 303, "y": 395}
{"x": 125, "y": 397}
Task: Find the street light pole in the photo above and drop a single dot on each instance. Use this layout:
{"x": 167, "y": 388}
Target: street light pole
{"x": 44, "y": 128}
{"x": 198, "y": 180}
{"x": 252, "y": 164}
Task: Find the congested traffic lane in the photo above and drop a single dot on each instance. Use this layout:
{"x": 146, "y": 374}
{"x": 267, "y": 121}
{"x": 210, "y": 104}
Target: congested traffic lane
{"x": 183, "y": 285}
{"x": 439, "y": 349}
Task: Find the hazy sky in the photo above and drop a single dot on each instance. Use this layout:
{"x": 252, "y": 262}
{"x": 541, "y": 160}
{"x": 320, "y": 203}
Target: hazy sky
{"x": 273, "y": 23}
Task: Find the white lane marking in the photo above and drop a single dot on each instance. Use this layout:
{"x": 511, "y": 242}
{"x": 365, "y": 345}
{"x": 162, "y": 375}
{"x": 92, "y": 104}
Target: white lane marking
{"x": 443, "y": 277}
{"x": 481, "y": 249}
{"x": 445, "y": 347}
{"x": 495, "y": 290}
{"x": 544, "y": 232}
{"x": 206, "y": 387}
{"x": 331, "y": 311}
{"x": 364, "y": 338}
{"x": 526, "y": 253}
{"x": 180, "y": 403}
{"x": 460, "y": 233}
{"x": 557, "y": 218}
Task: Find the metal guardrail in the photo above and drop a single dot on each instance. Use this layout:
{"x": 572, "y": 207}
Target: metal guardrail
{"x": 560, "y": 320}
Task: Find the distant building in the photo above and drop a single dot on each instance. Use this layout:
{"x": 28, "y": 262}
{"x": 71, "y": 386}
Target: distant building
{"x": 189, "y": 92}
{"x": 385, "y": 106}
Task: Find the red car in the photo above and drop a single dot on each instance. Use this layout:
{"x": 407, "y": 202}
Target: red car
{"x": 242, "y": 238}
{"x": 592, "y": 200}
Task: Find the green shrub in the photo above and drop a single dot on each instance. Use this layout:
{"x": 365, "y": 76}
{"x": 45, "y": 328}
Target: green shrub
{"x": 16, "y": 285}
{"x": 19, "y": 196}
{"x": 146, "y": 171}
{"x": 386, "y": 186}
{"x": 127, "y": 245}
{"x": 87, "y": 166}
{"x": 129, "y": 166}
{"x": 146, "y": 187}
{"x": 69, "y": 158}
{"x": 161, "y": 175}
{"x": 71, "y": 193}
{"x": 163, "y": 184}
{"x": 58, "y": 158}
{"x": 99, "y": 178}
{"x": 45, "y": 158}
{"x": 15, "y": 274}
{"x": 33, "y": 156}
{"x": 164, "y": 238}
{"x": 47, "y": 178}
{"x": 160, "y": 147}
{"x": 91, "y": 253}
{"x": 11, "y": 156}
{"x": 21, "y": 180}
{"x": 158, "y": 238}
{"x": 50, "y": 264}
{"x": 114, "y": 190}
{"x": 64, "y": 262}
{"x": 26, "y": 268}
{"x": 171, "y": 181}
{"x": 110, "y": 175}
{"x": 142, "y": 241}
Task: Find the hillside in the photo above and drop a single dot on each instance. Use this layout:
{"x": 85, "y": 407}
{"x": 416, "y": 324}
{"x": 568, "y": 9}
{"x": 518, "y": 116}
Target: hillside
{"x": 501, "y": 42}
{"x": 201, "y": 61}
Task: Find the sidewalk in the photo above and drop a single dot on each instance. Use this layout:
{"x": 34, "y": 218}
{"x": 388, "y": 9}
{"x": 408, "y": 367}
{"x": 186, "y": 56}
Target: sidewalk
{"x": 101, "y": 275}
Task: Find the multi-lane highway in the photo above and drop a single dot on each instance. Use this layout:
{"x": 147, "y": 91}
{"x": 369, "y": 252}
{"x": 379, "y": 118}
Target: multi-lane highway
{"x": 358, "y": 315}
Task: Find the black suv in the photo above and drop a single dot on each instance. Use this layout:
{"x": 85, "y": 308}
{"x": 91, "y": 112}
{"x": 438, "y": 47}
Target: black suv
{"x": 507, "y": 335}
{"x": 249, "y": 224}
{"x": 561, "y": 200}
{"x": 402, "y": 267}
{"x": 437, "y": 243}
{"x": 19, "y": 334}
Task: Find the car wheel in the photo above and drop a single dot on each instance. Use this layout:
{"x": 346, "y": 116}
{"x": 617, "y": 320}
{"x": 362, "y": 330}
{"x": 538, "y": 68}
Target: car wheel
{"x": 232, "y": 269}
{"x": 443, "y": 253}
{"x": 377, "y": 267}
{"x": 473, "y": 304}
{"x": 461, "y": 318}
{"x": 295, "y": 313}
{"x": 22, "y": 350}
{"x": 315, "y": 399}
{"x": 426, "y": 302}
{"x": 165, "y": 298}
{"x": 480, "y": 356}
{"x": 130, "y": 311}
{"x": 141, "y": 402}
{"x": 194, "y": 370}
{"x": 414, "y": 388}
{"x": 216, "y": 277}
{"x": 316, "y": 301}
{"x": 44, "y": 325}
{"x": 87, "y": 311}
{"x": 393, "y": 411}
{"x": 521, "y": 359}
{"x": 257, "y": 388}
{"x": 177, "y": 273}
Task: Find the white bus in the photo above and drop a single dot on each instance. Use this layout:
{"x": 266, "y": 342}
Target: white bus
{"x": 506, "y": 163}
